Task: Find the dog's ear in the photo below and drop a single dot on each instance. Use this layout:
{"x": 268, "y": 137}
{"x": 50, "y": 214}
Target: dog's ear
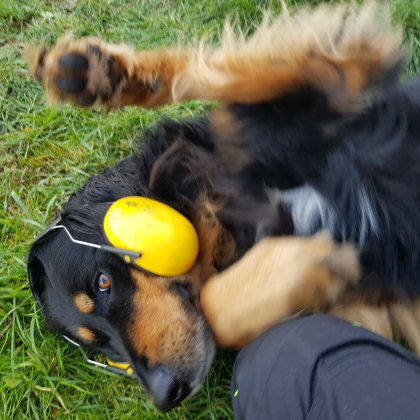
{"x": 38, "y": 279}
{"x": 40, "y": 282}
{"x": 50, "y": 274}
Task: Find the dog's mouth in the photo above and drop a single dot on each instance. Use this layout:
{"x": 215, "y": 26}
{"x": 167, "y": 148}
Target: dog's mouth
{"x": 171, "y": 391}
{"x": 166, "y": 383}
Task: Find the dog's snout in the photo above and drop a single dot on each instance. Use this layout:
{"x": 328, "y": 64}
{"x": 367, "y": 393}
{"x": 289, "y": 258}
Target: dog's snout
{"x": 166, "y": 389}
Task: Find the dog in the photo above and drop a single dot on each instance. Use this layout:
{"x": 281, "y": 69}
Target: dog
{"x": 315, "y": 131}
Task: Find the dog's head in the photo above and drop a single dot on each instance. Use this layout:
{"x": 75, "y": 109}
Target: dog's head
{"x": 100, "y": 301}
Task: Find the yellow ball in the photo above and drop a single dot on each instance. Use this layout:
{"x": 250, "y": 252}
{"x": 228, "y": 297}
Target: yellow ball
{"x": 167, "y": 241}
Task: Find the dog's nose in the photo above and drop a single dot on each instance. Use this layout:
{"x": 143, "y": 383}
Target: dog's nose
{"x": 167, "y": 390}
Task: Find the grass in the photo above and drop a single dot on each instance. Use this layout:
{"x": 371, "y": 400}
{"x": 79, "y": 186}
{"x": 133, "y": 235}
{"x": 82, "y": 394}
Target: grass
{"x": 48, "y": 152}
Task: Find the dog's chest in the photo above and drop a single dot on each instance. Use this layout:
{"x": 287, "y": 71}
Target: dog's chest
{"x": 309, "y": 210}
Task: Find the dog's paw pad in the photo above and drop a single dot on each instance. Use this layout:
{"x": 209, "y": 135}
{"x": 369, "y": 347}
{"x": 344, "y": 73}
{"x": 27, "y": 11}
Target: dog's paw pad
{"x": 73, "y": 62}
{"x": 79, "y": 71}
{"x": 87, "y": 75}
{"x": 70, "y": 85}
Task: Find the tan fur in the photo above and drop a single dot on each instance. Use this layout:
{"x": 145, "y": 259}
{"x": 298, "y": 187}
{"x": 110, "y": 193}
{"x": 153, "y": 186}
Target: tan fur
{"x": 217, "y": 247}
{"x": 84, "y": 303}
{"x": 256, "y": 293}
{"x": 140, "y": 72}
{"x": 395, "y": 320}
{"x": 406, "y": 323}
{"x": 364, "y": 312}
{"x": 86, "y": 334}
{"x": 340, "y": 49}
{"x": 161, "y": 329}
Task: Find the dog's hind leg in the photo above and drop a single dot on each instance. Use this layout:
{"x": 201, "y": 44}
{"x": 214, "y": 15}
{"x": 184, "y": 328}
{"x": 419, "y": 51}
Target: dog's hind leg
{"x": 340, "y": 50}
{"x": 406, "y": 323}
{"x": 397, "y": 320}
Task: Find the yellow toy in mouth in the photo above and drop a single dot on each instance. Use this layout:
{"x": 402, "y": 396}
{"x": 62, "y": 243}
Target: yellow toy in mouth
{"x": 165, "y": 239}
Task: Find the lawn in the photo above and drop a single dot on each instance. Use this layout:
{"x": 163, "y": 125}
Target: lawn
{"x": 47, "y": 152}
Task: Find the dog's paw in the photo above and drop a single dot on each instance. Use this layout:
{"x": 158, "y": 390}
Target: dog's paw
{"x": 84, "y": 72}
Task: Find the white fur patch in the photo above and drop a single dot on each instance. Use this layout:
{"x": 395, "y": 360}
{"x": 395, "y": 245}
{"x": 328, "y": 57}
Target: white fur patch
{"x": 368, "y": 217}
{"x": 309, "y": 210}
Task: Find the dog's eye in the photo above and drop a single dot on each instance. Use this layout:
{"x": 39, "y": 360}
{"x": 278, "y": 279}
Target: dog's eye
{"x": 103, "y": 282}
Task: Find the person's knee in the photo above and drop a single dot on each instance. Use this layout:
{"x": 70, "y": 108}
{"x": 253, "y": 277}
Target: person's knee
{"x": 275, "y": 376}
{"x": 279, "y": 365}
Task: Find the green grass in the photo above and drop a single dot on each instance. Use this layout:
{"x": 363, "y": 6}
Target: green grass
{"x": 48, "y": 152}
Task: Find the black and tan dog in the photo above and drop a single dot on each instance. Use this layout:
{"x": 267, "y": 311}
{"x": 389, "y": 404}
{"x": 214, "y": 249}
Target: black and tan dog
{"x": 315, "y": 133}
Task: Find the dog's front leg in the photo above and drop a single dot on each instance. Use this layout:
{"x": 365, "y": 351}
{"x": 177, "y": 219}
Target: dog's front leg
{"x": 277, "y": 279}
{"x": 90, "y": 72}
{"x": 338, "y": 50}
